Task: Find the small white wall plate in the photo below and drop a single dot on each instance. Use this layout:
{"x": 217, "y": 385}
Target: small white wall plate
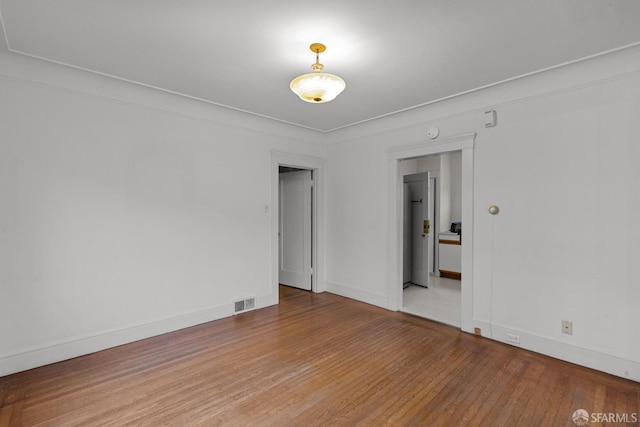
{"x": 433, "y": 132}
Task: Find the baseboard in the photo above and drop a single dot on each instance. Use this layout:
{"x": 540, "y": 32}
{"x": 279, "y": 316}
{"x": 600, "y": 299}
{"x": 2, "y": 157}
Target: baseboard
{"x": 357, "y": 294}
{"x": 57, "y": 352}
{"x": 568, "y": 352}
{"x": 450, "y": 274}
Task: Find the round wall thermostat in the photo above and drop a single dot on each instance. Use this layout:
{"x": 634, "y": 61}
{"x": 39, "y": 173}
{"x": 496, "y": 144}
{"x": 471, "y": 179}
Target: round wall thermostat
{"x": 433, "y": 132}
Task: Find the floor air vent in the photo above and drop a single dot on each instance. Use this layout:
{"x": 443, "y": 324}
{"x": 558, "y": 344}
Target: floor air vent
{"x": 243, "y": 305}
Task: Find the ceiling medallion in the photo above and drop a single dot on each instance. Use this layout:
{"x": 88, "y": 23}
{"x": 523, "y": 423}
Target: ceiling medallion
{"x": 317, "y": 87}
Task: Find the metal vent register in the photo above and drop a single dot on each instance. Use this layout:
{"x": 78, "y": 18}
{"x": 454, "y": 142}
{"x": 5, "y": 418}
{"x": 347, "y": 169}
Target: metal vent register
{"x": 243, "y": 305}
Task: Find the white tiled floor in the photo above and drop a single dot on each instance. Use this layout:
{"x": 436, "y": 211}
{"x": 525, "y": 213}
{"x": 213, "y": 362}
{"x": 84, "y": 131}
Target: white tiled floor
{"x": 440, "y": 301}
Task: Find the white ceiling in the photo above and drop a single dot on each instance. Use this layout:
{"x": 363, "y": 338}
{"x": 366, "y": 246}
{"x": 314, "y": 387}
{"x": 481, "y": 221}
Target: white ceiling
{"x": 242, "y": 54}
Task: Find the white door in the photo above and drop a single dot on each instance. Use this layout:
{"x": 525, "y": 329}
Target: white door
{"x": 295, "y": 229}
{"x": 417, "y": 240}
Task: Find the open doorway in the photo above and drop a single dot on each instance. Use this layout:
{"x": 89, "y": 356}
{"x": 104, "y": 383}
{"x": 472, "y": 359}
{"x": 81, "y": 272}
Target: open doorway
{"x": 295, "y": 225}
{"x": 431, "y": 270}
{"x": 398, "y": 157}
{"x": 315, "y": 167}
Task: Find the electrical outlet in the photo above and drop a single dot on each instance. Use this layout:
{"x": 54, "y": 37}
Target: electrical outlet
{"x": 567, "y": 327}
{"x": 512, "y": 338}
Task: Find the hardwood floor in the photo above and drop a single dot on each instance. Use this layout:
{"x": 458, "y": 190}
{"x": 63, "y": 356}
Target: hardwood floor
{"x": 313, "y": 360}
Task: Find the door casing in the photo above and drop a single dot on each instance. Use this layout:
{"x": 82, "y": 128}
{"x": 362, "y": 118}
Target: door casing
{"x": 296, "y": 220}
{"x": 318, "y": 165}
{"x": 465, "y": 143}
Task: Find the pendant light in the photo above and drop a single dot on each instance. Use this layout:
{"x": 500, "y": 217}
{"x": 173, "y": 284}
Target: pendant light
{"x": 317, "y": 87}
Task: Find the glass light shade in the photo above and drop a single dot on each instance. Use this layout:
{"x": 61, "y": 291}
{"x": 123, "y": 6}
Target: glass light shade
{"x": 317, "y": 87}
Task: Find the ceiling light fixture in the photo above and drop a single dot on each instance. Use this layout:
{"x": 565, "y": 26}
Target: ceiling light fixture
{"x": 317, "y": 87}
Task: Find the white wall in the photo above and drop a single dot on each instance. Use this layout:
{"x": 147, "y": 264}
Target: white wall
{"x": 428, "y": 163}
{"x": 562, "y": 166}
{"x": 455, "y": 174}
{"x": 125, "y": 212}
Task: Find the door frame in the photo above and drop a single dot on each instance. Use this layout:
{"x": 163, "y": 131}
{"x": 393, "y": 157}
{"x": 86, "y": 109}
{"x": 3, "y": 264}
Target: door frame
{"x": 318, "y": 166}
{"x": 435, "y": 176}
{"x": 464, "y": 143}
{"x": 299, "y": 276}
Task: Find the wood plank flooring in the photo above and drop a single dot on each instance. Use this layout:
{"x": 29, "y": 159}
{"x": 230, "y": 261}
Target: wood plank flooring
{"x": 313, "y": 360}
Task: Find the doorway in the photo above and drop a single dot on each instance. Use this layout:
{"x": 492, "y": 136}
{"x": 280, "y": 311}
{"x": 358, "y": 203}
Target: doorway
{"x": 419, "y": 228}
{"x": 316, "y": 166}
{"x": 432, "y": 202}
{"x": 295, "y": 219}
{"x": 399, "y": 157}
